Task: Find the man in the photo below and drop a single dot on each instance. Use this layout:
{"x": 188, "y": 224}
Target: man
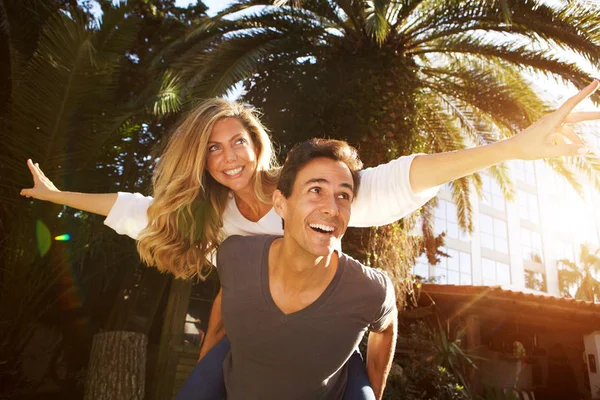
{"x": 295, "y": 307}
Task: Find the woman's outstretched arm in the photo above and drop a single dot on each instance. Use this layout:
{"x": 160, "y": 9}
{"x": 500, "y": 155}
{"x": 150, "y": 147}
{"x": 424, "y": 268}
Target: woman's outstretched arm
{"x": 551, "y": 136}
{"x": 388, "y": 192}
{"x": 44, "y": 189}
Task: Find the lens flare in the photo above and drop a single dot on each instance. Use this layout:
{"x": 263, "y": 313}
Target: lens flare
{"x": 42, "y": 235}
{"x": 63, "y": 238}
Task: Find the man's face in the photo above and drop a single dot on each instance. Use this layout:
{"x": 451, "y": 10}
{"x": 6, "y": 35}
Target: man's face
{"x": 317, "y": 212}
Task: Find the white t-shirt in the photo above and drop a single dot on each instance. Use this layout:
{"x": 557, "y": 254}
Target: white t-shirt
{"x": 384, "y": 196}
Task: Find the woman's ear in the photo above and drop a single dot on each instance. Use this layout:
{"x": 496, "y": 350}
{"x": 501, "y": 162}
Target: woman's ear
{"x": 279, "y": 203}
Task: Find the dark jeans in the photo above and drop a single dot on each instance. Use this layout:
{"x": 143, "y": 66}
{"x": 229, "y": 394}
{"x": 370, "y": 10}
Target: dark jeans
{"x": 206, "y": 382}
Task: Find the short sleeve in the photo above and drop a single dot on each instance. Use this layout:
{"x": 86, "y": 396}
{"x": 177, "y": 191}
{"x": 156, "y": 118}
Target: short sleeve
{"x": 129, "y": 214}
{"x": 385, "y": 195}
{"x": 224, "y": 253}
{"x": 388, "y": 306}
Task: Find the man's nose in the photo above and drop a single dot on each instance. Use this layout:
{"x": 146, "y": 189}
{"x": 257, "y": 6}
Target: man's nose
{"x": 330, "y": 206}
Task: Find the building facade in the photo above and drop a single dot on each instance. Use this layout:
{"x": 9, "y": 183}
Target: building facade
{"x": 518, "y": 242}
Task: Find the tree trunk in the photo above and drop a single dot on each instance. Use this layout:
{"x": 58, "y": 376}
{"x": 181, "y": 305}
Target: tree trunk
{"x": 117, "y": 366}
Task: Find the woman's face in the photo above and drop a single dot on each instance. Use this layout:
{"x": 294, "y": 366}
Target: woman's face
{"x": 231, "y": 159}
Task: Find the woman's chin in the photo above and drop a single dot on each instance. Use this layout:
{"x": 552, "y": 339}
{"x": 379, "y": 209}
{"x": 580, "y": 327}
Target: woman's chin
{"x": 237, "y": 185}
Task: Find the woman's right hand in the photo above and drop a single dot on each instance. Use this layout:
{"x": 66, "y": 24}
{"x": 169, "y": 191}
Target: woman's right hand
{"x": 43, "y": 188}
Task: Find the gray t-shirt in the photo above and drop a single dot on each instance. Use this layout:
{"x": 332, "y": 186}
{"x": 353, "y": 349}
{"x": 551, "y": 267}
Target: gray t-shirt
{"x": 301, "y": 355}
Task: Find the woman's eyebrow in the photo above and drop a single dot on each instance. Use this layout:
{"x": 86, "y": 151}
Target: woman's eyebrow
{"x": 230, "y": 139}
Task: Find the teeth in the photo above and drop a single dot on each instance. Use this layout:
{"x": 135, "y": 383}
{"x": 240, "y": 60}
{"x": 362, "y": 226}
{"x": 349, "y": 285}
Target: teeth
{"x": 322, "y": 227}
{"x": 232, "y": 172}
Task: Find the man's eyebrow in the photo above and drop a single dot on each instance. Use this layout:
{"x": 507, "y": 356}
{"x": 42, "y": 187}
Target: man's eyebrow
{"x": 315, "y": 180}
{"x": 323, "y": 180}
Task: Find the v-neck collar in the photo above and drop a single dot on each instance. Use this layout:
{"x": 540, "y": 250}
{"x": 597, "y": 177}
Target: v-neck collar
{"x": 312, "y": 306}
{"x": 235, "y": 209}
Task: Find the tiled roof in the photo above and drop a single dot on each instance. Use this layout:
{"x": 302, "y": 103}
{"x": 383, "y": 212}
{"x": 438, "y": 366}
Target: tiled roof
{"x": 508, "y": 293}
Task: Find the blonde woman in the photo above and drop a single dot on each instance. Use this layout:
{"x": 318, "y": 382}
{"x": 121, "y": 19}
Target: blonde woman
{"x": 192, "y": 211}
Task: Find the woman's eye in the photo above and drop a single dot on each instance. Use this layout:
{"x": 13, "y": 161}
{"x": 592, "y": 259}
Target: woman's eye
{"x": 213, "y": 148}
{"x": 241, "y": 141}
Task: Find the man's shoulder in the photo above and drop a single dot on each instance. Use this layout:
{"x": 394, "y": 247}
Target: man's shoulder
{"x": 375, "y": 278}
{"x": 235, "y": 241}
{"x": 242, "y": 249}
{"x": 375, "y": 292}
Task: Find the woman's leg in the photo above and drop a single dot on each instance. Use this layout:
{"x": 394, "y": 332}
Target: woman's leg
{"x": 358, "y": 386}
{"x": 206, "y": 381}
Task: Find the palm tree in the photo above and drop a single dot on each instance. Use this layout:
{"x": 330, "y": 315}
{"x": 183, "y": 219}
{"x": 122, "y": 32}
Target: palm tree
{"x": 64, "y": 107}
{"x": 394, "y": 77}
{"x": 584, "y": 277}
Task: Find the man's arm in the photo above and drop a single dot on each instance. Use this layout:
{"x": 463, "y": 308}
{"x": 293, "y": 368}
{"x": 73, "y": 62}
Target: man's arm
{"x": 216, "y": 330}
{"x": 380, "y": 353}
{"x": 544, "y": 139}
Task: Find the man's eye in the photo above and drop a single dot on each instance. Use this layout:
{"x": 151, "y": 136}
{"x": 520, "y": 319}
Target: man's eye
{"x": 344, "y": 196}
{"x": 315, "y": 190}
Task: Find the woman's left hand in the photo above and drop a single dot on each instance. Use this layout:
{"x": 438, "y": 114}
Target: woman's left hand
{"x": 551, "y": 136}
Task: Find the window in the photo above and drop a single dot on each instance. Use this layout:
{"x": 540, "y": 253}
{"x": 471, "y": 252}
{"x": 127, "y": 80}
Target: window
{"x": 196, "y": 319}
{"x": 564, "y": 250}
{"x": 455, "y": 269}
{"x": 493, "y": 195}
{"x": 535, "y": 281}
{"x": 568, "y": 207}
{"x": 421, "y": 267}
{"x": 466, "y": 271}
{"x": 561, "y": 186}
{"x": 494, "y": 272}
{"x": 528, "y": 206}
{"x": 446, "y": 221}
{"x": 531, "y": 245}
{"x": 493, "y": 233}
{"x": 447, "y": 187}
{"x": 524, "y": 171}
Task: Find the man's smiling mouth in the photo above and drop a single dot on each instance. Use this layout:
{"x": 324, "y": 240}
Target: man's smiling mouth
{"x": 322, "y": 228}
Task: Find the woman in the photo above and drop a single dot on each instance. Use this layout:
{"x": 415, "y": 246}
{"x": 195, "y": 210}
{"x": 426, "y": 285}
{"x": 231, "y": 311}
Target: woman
{"x": 192, "y": 211}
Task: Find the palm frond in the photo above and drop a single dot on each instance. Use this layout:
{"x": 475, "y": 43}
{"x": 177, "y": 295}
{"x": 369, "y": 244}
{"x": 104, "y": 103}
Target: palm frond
{"x": 519, "y": 57}
{"x": 561, "y": 167}
{"x": 461, "y": 192}
{"x": 501, "y": 175}
{"x": 376, "y": 23}
{"x": 588, "y": 167}
{"x": 486, "y": 93}
{"x": 232, "y": 62}
{"x": 168, "y": 99}
{"x": 63, "y": 107}
{"x": 533, "y": 20}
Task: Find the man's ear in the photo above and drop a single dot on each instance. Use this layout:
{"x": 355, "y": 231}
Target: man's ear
{"x": 279, "y": 203}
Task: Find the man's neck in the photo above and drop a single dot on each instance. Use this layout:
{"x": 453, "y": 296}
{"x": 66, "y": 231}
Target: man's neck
{"x": 295, "y": 270}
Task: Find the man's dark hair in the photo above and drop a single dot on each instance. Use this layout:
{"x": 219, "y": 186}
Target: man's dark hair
{"x": 305, "y": 152}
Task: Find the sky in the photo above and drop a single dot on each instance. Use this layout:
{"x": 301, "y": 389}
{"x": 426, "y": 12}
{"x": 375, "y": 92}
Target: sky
{"x": 214, "y": 6}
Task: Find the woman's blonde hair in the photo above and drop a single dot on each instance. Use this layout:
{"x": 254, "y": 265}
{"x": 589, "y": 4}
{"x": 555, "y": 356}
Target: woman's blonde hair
{"x": 186, "y": 216}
